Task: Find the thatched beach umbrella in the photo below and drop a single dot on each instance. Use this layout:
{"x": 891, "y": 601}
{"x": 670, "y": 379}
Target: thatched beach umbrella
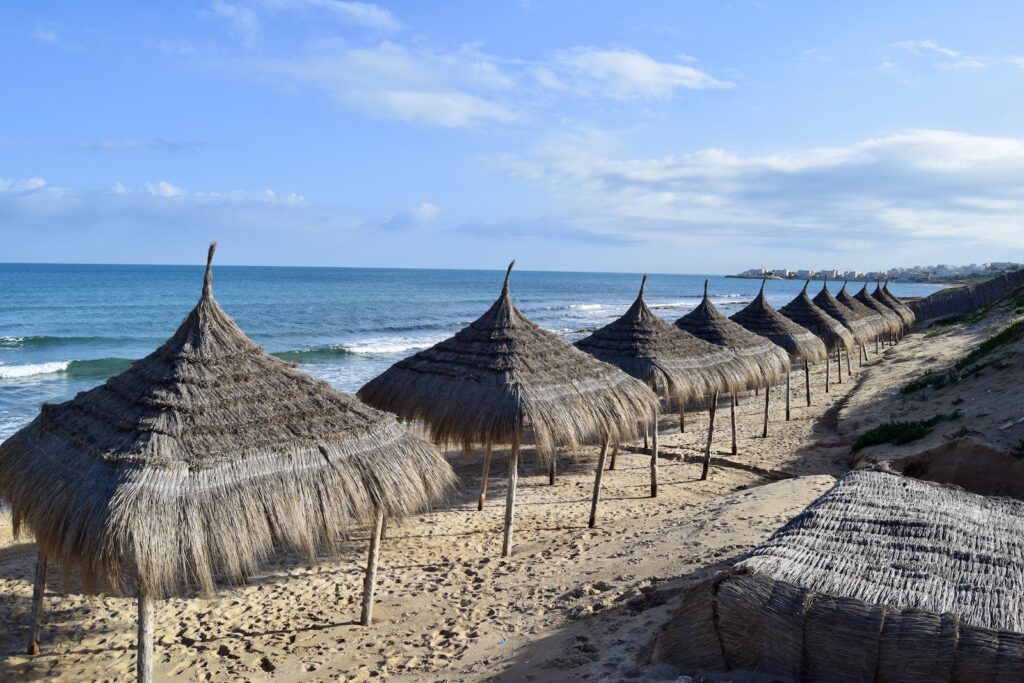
{"x": 502, "y": 374}
{"x": 892, "y": 319}
{"x": 806, "y": 313}
{"x": 883, "y": 295}
{"x": 768, "y": 362}
{"x": 800, "y": 343}
{"x": 862, "y": 330}
{"x": 199, "y": 463}
{"x": 674, "y": 363}
{"x": 880, "y": 324}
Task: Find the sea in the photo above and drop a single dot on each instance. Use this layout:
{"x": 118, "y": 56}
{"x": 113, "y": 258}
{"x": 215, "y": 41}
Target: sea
{"x": 66, "y": 328}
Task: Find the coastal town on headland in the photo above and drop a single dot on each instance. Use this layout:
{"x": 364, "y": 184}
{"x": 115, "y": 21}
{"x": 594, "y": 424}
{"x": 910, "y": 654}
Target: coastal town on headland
{"x": 939, "y": 274}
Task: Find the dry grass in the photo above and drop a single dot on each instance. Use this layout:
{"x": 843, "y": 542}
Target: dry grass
{"x": 501, "y": 374}
{"x": 204, "y": 459}
{"x": 673, "y": 362}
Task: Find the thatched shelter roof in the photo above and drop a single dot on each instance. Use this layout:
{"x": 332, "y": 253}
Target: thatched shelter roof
{"x": 883, "y": 577}
{"x": 502, "y": 372}
{"x": 770, "y": 361}
{"x": 883, "y": 295}
{"x": 761, "y": 318}
{"x": 673, "y": 362}
{"x": 862, "y": 330}
{"x": 203, "y": 459}
{"x": 880, "y": 324}
{"x": 806, "y": 313}
{"x": 891, "y": 317}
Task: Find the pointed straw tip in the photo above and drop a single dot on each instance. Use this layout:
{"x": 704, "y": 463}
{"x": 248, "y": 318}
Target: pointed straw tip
{"x": 508, "y": 274}
{"x": 705, "y": 288}
{"x": 643, "y": 283}
{"x": 208, "y": 276}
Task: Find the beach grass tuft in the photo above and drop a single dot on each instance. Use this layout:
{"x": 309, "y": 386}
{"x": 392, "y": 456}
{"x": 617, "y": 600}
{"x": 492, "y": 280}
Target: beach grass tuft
{"x": 901, "y": 432}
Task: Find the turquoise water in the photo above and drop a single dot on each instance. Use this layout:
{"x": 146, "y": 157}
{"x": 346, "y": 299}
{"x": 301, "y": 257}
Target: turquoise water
{"x": 65, "y": 328}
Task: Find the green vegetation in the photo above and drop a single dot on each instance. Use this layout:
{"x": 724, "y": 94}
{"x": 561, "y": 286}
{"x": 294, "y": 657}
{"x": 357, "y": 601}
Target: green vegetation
{"x": 1018, "y": 450}
{"x": 970, "y": 364}
{"x": 1008, "y": 335}
{"x": 899, "y": 432}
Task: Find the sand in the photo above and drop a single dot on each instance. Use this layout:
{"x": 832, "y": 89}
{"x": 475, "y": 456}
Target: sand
{"x": 572, "y": 604}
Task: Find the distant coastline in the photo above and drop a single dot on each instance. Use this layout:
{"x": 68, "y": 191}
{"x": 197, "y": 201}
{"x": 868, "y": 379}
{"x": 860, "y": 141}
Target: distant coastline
{"x": 929, "y": 281}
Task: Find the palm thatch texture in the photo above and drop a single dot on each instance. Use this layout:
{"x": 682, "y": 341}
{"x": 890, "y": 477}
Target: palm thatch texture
{"x": 892, "y": 319}
{"x": 882, "y": 578}
{"x": 761, "y": 318}
{"x": 768, "y": 362}
{"x": 674, "y": 363}
{"x": 878, "y": 323}
{"x": 203, "y": 460}
{"x": 863, "y": 331}
{"x": 502, "y": 373}
{"x": 883, "y": 295}
{"x": 831, "y": 331}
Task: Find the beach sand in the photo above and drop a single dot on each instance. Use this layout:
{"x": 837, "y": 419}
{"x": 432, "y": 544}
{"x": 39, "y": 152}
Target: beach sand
{"x": 572, "y": 603}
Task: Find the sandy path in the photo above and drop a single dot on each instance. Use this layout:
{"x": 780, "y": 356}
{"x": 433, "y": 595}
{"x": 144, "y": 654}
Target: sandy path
{"x": 570, "y": 600}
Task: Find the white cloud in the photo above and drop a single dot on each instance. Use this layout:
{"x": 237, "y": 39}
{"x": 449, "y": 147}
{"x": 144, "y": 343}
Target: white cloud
{"x": 119, "y": 188}
{"x": 426, "y": 212}
{"x": 46, "y": 35}
{"x": 243, "y": 21}
{"x": 364, "y": 14}
{"x": 24, "y": 186}
{"x": 393, "y": 81}
{"x": 898, "y": 189}
{"x": 625, "y": 75}
{"x": 952, "y": 59}
{"x": 164, "y": 189}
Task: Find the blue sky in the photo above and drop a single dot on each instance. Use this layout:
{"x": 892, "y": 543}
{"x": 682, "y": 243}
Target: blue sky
{"x": 626, "y": 136}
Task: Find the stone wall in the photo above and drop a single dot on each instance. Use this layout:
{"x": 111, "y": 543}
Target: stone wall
{"x": 957, "y": 300}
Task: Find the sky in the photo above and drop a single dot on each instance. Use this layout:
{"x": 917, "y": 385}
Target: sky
{"x": 592, "y": 135}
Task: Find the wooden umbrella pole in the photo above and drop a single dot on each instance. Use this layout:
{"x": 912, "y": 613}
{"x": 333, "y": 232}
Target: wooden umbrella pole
{"x": 647, "y": 446}
{"x": 682, "y": 417}
{"x": 370, "y": 580}
{"x": 615, "y": 453}
{"x": 597, "y": 484}
{"x": 38, "y": 591}
{"x": 876, "y": 344}
{"x": 144, "y": 665}
{"x": 767, "y": 395}
{"x": 839, "y": 365}
{"x": 711, "y": 433}
{"x": 551, "y": 471}
{"x": 732, "y": 423}
{"x": 807, "y": 380}
{"x": 483, "y": 481}
{"x": 787, "y": 395}
{"x": 510, "y": 498}
{"x": 849, "y": 371}
{"x": 654, "y": 455}
{"x": 828, "y": 366}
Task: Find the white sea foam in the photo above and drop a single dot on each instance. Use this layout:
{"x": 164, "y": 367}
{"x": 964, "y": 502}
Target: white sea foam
{"x": 28, "y": 370}
{"x": 586, "y": 307}
{"x": 391, "y": 345}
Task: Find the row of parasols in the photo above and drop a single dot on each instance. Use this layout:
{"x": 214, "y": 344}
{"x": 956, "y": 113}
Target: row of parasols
{"x": 209, "y": 457}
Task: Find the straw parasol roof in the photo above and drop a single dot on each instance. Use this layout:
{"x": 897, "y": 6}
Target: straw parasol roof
{"x": 892, "y": 318}
{"x": 502, "y": 372}
{"x": 770, "y": 361}
{"x": 202, "y": 460}
{"x": 673, "y": 362}
{"x": 881, "y": 325}
{"x": 761, "y": 318}
{"x": 862, "y": 330}
{"x": 805, "y": 312}
{"x": 883, "y": 295}
{"x": 883, "y": 577}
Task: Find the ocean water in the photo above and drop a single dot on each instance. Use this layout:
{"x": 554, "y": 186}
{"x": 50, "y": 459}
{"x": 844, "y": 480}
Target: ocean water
{"x": 66, "y": 328}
